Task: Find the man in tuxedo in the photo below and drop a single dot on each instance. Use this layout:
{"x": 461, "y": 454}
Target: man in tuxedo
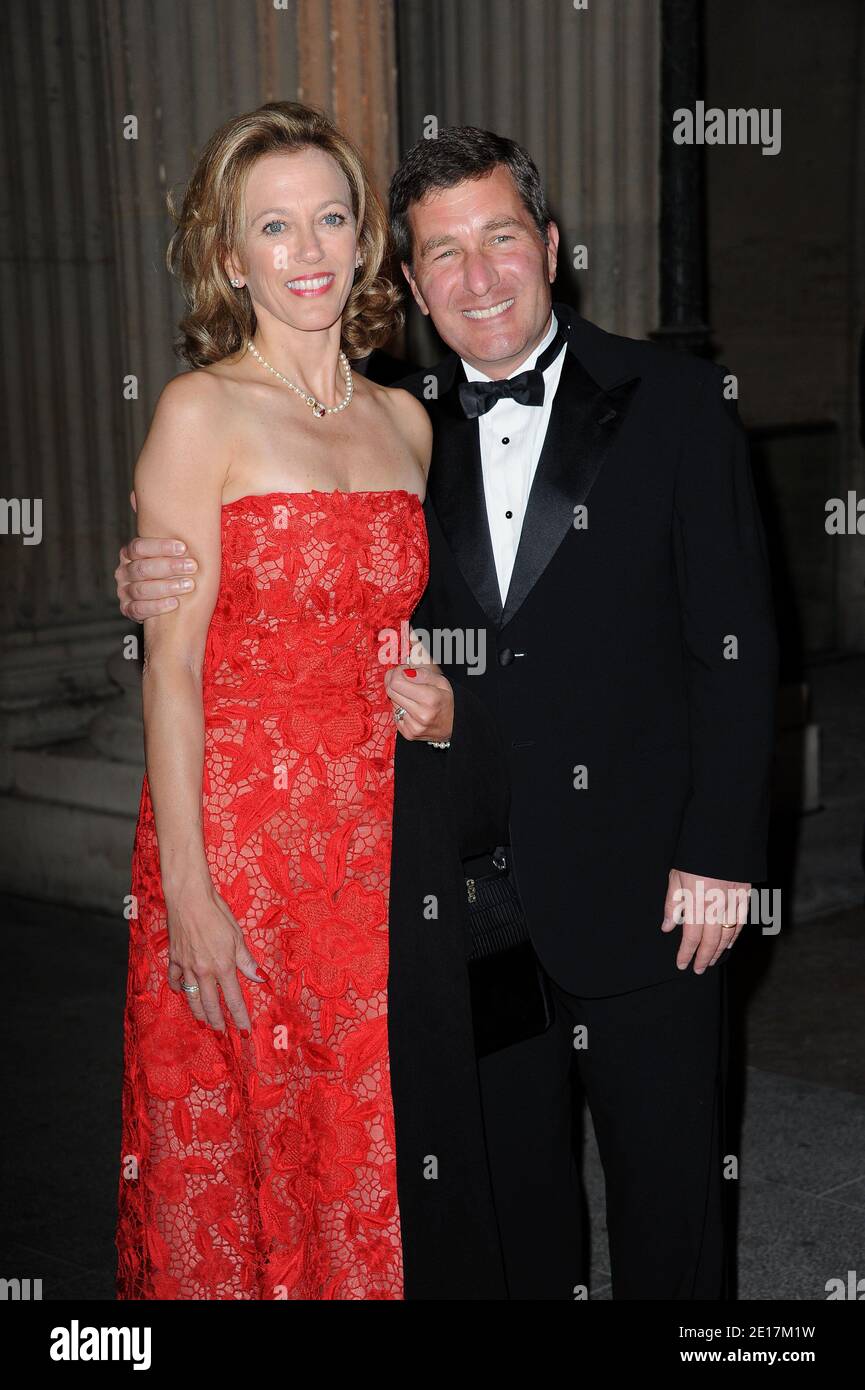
{"x": 592, "y": 519}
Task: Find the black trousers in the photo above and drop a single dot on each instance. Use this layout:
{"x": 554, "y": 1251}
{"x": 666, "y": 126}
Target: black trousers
{"x": 652, "y": 1065}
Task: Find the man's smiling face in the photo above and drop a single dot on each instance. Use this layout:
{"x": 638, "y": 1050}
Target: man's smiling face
{"x": 482, "y": 271}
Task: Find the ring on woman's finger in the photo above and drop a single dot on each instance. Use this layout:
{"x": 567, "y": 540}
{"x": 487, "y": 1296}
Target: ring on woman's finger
{"x": 399, "y": 713}
{"x": 189, "y": 989}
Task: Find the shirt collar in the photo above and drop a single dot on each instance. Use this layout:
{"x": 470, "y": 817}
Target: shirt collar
{"x": 472, "y": 374}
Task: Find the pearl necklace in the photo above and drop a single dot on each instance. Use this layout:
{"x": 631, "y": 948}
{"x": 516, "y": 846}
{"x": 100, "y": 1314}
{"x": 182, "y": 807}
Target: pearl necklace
{"x": 318, "y": 408}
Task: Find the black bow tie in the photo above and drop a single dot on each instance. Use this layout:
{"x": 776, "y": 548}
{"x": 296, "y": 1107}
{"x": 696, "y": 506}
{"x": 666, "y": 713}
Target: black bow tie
{"x": 527, "y": 388}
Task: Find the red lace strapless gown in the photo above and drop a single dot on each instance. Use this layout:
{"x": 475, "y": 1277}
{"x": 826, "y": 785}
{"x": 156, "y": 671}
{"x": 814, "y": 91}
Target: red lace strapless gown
{"x": 265, "y": 1167}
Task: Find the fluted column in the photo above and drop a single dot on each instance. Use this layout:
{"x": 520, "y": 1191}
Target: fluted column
{"x": 683, "y": 281}
{"x": 850, "y": 589}
{"x": 580, "y": 89}
{"x": 64, "y": 439}
{"x": 347, "y": 64}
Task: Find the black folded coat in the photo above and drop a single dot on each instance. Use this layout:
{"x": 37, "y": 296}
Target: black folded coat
{"x": 448, "y": 804}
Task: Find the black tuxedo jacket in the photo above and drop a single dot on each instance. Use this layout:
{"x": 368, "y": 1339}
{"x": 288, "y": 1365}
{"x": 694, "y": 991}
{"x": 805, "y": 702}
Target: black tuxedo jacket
{"x": 630, "y": 675}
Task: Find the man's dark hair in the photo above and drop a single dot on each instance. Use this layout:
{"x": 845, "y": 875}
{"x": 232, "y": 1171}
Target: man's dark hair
{"x": 460, "y": 152}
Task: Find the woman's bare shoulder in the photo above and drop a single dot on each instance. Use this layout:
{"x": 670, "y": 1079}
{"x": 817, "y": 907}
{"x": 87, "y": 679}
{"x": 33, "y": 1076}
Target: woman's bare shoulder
{"x": 196, "y": 407}
{"x": 191, "y": 398}
{"x": 410, "y": 419}
{"x": 187, "y": 433}
{"x": 192, "y": 395}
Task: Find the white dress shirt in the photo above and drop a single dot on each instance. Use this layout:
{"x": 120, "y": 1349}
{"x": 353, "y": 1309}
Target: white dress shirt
{"x": 511, "y": 439}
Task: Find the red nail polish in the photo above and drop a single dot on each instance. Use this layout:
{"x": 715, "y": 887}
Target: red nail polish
{"x": 410, "y": 671}
{"x": 244, "y": 1033}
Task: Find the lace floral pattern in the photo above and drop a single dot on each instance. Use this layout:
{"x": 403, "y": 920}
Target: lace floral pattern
{"x": 264, "y": 1167}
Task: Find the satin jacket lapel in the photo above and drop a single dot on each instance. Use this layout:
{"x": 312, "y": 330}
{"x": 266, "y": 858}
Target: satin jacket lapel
{"x": 456, "y": 490}
{"x": 584, "y": 422}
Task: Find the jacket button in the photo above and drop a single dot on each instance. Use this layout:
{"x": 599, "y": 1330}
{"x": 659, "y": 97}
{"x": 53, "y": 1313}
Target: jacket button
{"x": 506, "y": 656}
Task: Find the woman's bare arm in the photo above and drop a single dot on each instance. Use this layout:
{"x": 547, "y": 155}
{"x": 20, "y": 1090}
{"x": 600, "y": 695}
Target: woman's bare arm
{"x": 178, "y": 484}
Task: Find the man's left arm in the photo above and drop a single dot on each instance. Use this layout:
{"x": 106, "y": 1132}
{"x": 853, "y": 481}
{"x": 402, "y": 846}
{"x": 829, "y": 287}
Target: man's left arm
{"x": 731, "y": 663}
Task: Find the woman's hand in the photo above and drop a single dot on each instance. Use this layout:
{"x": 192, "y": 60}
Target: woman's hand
{"x": 207, "y": 948}
{"x": 427, "y": 698}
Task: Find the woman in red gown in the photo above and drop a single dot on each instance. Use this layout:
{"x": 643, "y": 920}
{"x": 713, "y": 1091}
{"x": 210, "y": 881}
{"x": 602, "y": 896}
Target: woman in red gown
{"x": 270, "y": 1158}
{"x": 258, "y": 1153}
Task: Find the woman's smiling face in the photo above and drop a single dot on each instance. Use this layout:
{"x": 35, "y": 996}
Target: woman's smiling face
{"x": 300, "y": 239}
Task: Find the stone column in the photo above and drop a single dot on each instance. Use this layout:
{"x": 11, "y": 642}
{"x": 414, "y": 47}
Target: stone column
{"x": 682, "y": 250}
{"x": 65, "y": 443}
{"x": 850, "y": 588}
{"x": 347, "y": 64}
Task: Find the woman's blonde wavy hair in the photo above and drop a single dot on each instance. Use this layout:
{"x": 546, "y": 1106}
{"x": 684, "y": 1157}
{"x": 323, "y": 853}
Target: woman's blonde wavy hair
{"x": 209, "y": 229}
